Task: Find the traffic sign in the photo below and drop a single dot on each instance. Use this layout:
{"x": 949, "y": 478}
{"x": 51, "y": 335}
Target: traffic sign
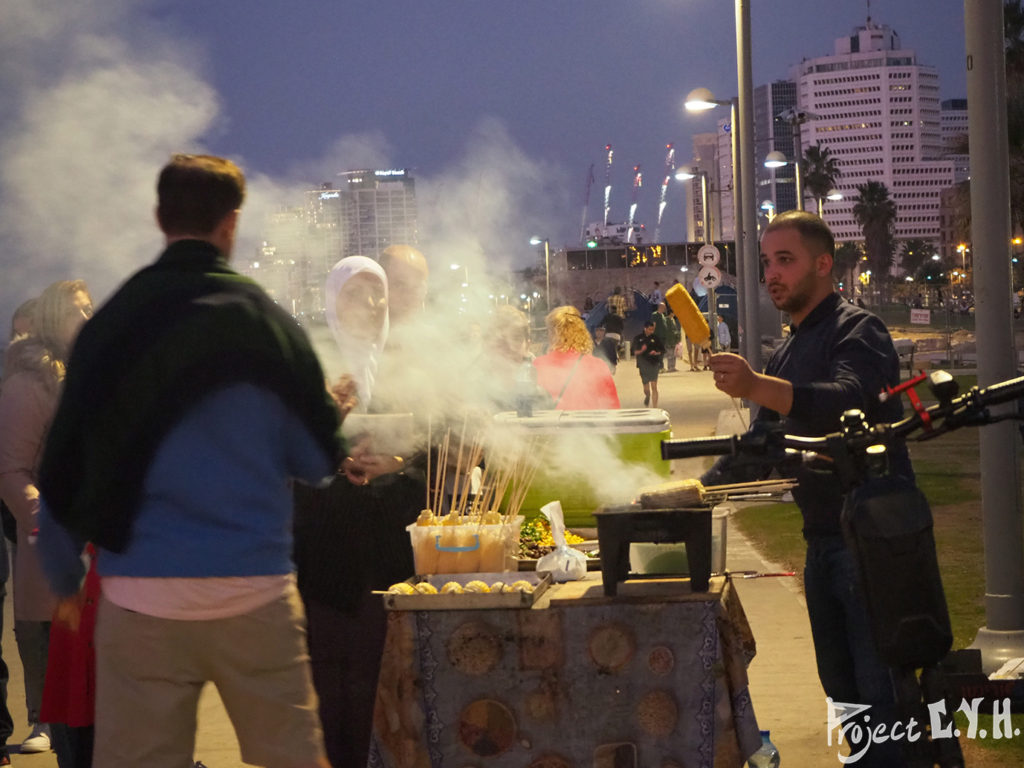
{"x": 709, "y": 254}
{"x": 711, "y": 276}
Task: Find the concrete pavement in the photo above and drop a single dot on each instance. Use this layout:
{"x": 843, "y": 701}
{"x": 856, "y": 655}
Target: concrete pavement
{"x": 787, "y": 697}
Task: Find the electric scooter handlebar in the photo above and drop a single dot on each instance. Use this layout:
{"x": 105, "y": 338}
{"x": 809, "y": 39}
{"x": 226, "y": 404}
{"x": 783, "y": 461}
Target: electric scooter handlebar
{"x": 968, "y": 409}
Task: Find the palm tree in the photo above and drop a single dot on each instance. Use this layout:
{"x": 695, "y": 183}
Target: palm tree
{"x": 914, "y": 253}
{"x": 820, "y": 171}
{"x": 848, "y": 255}
{"x": 876, "y": 213}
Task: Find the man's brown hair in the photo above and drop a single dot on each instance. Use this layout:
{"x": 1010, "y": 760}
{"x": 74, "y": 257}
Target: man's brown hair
{"x": 195, "y": 192}
{"x": 813, "y": 230}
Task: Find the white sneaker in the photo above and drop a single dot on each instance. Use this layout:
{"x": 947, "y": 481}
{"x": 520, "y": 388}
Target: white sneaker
{"x": 38, "y": 740}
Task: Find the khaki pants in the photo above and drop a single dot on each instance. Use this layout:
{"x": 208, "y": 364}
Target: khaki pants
{"x": 150, "y": 671}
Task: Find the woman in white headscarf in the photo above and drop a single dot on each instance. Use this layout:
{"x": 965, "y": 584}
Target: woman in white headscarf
{"x": 350, "y": 538}
{"x": 356, "y": 296}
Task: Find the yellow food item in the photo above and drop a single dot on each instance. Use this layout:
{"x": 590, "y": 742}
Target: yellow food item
{"x": 499, "y": 587}
{"x": 522, "y": 586}
{"x": 452, "y": 588}
{"x": 491, "y": 518}
{"x": 426, "y": 518}
{"x": 477, "y": 586}
{"x": 425, "y": 588}
{"x": 401, "y": 588}
{"x": 693, "y": 323}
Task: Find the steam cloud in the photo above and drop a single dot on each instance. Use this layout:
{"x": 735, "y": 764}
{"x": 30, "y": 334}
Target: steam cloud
{"x": 94, "y": 98}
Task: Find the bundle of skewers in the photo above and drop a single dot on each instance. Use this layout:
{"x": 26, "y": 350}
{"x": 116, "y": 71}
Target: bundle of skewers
{"x": 472, "y": 512}
{"x": 477, "y": 491}
{"x": 692, "y": 493}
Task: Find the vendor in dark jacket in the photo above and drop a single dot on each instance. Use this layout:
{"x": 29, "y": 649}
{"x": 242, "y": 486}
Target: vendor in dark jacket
{"x": 837, "y": 357}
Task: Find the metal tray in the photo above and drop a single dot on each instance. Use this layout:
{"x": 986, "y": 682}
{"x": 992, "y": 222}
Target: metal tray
{"x": 470, "y": 600}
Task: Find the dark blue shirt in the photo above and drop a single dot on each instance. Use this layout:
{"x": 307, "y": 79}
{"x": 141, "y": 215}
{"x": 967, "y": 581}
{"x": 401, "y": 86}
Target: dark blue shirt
{"x": 840, "y": 357}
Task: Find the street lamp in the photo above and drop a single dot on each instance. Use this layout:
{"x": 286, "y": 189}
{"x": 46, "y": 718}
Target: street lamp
{"x": 537, "y": 240}
{"x": 776, "y": 159}
{"x": 769, "y": 208}
{"x": 833, "y": 195}
{"x": 962, "y": 249}
{"x": 744, "y": 207}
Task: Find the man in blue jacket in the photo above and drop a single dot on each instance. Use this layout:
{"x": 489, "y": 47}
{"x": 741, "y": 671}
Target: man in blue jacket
{"x": 191, "y": 401}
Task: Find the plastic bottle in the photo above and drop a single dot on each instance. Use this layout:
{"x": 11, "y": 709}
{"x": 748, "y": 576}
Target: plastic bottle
{"x": 767, "y": 756}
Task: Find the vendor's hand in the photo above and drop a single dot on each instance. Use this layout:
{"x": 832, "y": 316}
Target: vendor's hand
{"x": 733, "y": 375}
{"x": 362, "y": 465}
{"x": 345, "y": 395}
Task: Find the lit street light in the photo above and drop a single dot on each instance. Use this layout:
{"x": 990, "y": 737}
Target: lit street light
{"x": 776, "y": 159}
{"x": 744, "y": 206}
{"x": 537, "y": 240}
{"x": 684, "y": 174}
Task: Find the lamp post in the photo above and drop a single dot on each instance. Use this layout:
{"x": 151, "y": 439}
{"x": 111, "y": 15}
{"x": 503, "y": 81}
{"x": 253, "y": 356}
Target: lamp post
{"x": 747, "y": 267}
{"x": 776, "y": 159}
{"x": 537, "y": 240}
{"x": 833, "y": 195}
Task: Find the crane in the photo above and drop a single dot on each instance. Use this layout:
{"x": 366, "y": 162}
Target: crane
{"x": 670, "y": 165}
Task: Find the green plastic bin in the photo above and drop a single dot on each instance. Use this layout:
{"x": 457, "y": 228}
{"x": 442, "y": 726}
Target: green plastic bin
{"x": 590, "y": 459}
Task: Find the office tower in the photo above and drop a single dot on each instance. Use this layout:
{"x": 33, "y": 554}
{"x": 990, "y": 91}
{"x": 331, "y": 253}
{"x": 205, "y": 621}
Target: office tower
{"x": 877, "y": 110}
{"x": 376, "y": 209}
{"x": 953, "y": 121}
{"x": 705, "y": 159}
{"x": 773, "y": 132}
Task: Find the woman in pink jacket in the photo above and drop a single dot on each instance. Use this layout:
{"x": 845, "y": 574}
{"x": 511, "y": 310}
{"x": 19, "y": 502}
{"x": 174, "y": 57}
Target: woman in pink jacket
{"x": 569, "y": 373}
{"x": 33, "y": 373}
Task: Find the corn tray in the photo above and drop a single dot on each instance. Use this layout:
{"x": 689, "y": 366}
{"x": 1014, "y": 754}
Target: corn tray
{"x": 470, "y": 600}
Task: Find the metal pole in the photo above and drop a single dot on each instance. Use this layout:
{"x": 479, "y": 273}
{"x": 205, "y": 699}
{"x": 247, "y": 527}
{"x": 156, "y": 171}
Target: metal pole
{"x": 737, "y": 228}
{"x": 798, "y": 152}
{"x": 547, "y": 275}
{"x": 751, "y": 265}
{"x": 1003, "y": 636}
{"x": 704, "y": 205}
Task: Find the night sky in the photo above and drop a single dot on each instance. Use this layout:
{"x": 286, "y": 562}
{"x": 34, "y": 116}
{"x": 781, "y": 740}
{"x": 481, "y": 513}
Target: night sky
{"x": 499, "y": 109}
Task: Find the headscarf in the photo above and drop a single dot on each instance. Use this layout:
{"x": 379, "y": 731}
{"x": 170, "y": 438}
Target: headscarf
{"x": 359, "y": 356}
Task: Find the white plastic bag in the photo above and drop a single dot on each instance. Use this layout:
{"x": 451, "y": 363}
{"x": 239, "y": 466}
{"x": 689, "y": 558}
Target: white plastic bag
{"x": 563, "y": 562}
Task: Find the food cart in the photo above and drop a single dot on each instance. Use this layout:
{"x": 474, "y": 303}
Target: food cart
{"x": 654, "y": 676}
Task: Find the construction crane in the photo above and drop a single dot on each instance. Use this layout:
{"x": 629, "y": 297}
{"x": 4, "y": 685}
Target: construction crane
{"x": 638, "y": 181}
{"x": 670, "y": 166}
{"x": 586, "y": 204}
{"x": 607, "y": 184}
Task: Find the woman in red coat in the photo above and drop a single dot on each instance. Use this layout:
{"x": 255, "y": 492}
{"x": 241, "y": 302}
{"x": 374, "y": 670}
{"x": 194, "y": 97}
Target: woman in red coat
{"x": 571, "y": 375}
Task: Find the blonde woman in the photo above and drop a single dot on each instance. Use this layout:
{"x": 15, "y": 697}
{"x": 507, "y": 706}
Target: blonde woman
{"x": 33, "y": 374}
{"x": 571, "y": 375}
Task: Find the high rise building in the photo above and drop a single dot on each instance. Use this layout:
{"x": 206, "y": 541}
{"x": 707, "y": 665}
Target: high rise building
{"x": 369, "y": 212}
{"x": 877, "y": 110}
{"x": 377, "y": 209}
{"x": 953, "y": 121}
{"x": 774, "y": 133}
